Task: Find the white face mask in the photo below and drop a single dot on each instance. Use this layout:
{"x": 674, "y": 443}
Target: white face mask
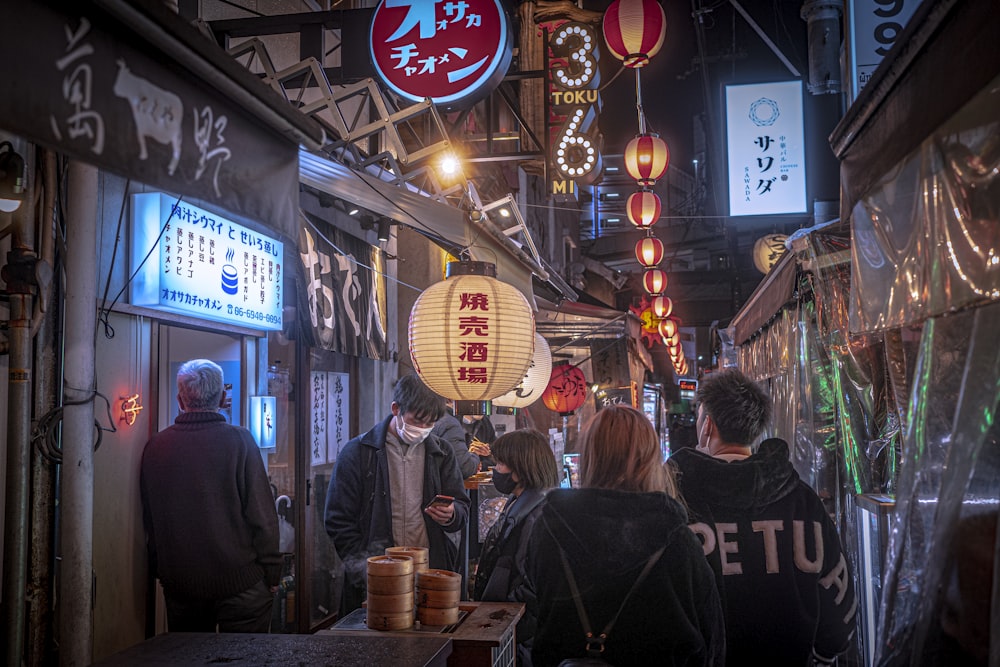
{"x": 411, "y": 435}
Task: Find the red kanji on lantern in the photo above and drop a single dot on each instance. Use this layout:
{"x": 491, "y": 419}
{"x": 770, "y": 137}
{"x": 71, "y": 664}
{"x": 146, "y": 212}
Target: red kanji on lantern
{"x": 634, "y": 30}
{"x": 567, "y": 389}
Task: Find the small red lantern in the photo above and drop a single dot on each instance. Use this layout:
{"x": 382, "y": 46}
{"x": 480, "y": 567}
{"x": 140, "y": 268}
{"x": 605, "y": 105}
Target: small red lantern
{"x": 646, "y": 159}
{"x": 661, "y": 306}
{"x": 673, "y": 340}
{"x": 643, "y": 208}
{"x": 668, "y": 328}
{"x": 654, "y": 281}
{"x": 682, "y": 368}
{"x": 567, "y": 389}
{"x": 649, "y": 251}
{"x": 634, "y": 30}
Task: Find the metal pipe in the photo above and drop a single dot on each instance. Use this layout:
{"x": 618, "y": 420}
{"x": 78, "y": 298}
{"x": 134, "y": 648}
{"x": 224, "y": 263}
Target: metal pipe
{"x": 39, "y": 649}
{"x": 76, "y": 593}
{"x": 15, "y": 545}
{"x": 18, "y": 275}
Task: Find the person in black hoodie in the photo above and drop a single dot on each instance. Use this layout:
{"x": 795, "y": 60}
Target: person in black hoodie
{"x": 783, "y": 575}
{"x": 623, "y": 522}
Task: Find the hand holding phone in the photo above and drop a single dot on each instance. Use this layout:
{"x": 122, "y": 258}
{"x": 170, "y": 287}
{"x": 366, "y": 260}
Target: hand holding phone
{"x": 441, "y": 509}
{"x": 441, "y": 501}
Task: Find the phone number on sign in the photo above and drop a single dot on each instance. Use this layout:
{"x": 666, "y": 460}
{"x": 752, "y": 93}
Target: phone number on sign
{"x": 255, "y": 315}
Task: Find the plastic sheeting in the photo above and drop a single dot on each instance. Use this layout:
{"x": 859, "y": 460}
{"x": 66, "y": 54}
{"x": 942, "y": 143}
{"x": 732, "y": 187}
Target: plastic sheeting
{"x": 926, "y": 239}
{"x": 942, "y": 549}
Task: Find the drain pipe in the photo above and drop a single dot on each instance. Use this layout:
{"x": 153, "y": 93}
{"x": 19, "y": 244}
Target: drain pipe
{"x": 40, "y": 647}
{"x": 76, "y": 504}
{"x": 19, "y": 275}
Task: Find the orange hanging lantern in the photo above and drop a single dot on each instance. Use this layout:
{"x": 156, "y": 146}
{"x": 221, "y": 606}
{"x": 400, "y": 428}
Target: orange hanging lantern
{"x": 634, "y": 30}
{"x": 649, "y": 251}
{"x": 668, "y": 328}
{"x": 643, "y": 208}
{"x": 654, "y": 281}
{"x": 661, "y": 306}
{"x": 646, "y": 159}
{"x": 471, "y": 336}
{"x": 567, "y": 389}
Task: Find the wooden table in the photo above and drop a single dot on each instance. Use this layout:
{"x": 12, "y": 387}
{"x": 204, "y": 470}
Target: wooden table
{"x": 483, "y": 636}
{"x": 184, "y": 649}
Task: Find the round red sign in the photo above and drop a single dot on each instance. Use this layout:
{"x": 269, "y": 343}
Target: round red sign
{"x": 447, "y": 50}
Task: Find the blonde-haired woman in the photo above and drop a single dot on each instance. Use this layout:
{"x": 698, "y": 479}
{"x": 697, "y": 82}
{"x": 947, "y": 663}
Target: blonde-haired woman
{"x": 622, "y": 542}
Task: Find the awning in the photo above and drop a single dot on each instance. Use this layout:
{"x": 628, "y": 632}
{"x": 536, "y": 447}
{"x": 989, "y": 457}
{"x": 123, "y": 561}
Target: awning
{"x": 444, "y": 224}
{"x": 768, "y": 299}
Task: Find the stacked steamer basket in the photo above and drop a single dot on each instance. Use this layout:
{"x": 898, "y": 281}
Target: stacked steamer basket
{"x": 418, "y": 554}
{"x": 438, "y": 593}
{"x": 390, "y": 593}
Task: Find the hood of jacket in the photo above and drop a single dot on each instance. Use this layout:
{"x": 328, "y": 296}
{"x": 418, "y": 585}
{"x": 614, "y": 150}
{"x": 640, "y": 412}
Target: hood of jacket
{"x": 750, "y": 484}
{"x": 613, "y": 529}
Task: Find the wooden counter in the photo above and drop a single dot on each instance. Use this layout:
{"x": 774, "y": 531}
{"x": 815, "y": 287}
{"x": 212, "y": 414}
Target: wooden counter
{"x": 483, "y": 636}
{"x": 190, "y": 649}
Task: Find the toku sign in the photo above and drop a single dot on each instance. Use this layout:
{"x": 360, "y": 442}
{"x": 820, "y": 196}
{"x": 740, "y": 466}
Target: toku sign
{"x": 451, "y": 51}
{"x": 574, "y": 80}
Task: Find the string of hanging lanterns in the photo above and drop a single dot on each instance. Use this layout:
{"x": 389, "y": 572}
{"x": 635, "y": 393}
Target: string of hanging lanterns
{"x": 634, "y": 31}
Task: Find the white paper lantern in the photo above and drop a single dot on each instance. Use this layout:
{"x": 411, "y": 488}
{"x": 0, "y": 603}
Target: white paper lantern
{"x": 471, "y": 336}
{"x": 535, "y": 380}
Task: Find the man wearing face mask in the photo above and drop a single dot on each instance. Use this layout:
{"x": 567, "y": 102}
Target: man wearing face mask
{"x": 766, "y": 534}
{"x": 382, "y": 487}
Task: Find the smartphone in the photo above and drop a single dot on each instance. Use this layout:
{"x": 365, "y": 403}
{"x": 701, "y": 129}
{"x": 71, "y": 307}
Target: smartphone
{"x": 441, "y": 501}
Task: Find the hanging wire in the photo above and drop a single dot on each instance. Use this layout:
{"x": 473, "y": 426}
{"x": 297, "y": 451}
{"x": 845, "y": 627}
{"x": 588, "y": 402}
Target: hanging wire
{"x": 109, "y": 331}
{"x": 102, "y": 317}
{"x": 45, "y": 435}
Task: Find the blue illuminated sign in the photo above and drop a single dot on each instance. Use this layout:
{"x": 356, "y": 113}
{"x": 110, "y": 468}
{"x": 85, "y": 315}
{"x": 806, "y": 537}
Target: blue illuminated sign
{"x": 202, "y": 265}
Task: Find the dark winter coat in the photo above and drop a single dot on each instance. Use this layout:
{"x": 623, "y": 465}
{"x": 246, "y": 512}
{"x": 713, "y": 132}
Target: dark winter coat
{"x": 673, "y": 618}
{"x": 358, "y": 513}
{"x": 784, "y": 578}
{"x": 451, "y": 431}
{"x": 211, "y": 526}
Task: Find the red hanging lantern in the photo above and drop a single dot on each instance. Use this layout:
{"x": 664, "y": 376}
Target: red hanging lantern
{"x": 654, "y": 281}
{"x": 673, "y": 340}
{"x": 682, "y": 368}
{"x": 649, "y": 251}
{"x": 646, "y": 159}
{"x": 643, "y": 208}
{"x": 676, "y": 354}
{"x": 668, "y": 328}
{"x": 567, "y": 389}
{"x": 634, "y": 30}
{"x": 661, "y": 306}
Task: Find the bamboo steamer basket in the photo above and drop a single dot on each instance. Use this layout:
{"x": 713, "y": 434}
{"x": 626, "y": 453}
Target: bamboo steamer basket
{"x": 394, "y": 621}
{"x": 390, "y": 585}
{"x": 419, "y": 555}
{"x": 390, "y": 566}
{"x": 439, "y": 580}
{"x": 435, "y": 599}
{"x": 390, "y": 604}
{"x": 429, "y": 616}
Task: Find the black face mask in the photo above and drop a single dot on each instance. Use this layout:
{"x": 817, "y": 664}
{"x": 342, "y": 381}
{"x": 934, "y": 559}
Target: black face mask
{"x": 504, "y": 482}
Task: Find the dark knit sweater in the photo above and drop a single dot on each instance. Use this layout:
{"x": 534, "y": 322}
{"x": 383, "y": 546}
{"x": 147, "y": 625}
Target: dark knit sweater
{"x": 211, "y": 526}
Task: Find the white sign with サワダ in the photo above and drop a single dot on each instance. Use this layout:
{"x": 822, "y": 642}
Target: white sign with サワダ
{"x": 766, "y": 148}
